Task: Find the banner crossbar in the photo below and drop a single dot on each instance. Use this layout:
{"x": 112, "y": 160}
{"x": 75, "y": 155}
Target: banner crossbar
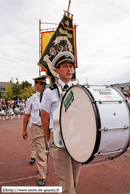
{"x": 48, "y": 29}
{"x": 49, "y": 23}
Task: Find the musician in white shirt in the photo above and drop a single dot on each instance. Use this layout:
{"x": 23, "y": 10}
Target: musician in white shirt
{"x": 38, "y": 137}
{"x": 66, "y": 169}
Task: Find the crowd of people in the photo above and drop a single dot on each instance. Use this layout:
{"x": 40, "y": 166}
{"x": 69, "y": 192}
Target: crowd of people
{"x": 11, "y": 108}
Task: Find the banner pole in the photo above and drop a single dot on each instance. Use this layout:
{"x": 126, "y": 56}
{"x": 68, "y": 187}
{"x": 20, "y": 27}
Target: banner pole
{"x": 39, "y": 45}
{"x": 69, "y": 6}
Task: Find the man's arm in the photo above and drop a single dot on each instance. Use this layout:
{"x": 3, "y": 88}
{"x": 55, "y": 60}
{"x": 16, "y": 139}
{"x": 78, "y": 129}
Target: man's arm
{"x": 45, "y": 124}
{"x": 25, "y": 123}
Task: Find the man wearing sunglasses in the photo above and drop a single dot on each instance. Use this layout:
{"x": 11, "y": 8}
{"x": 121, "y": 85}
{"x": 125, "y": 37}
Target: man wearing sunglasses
{"x": 32, "y": 109}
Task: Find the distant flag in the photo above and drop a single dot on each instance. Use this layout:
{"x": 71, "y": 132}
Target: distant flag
{"x": 45, "y": 38}
{"x": 75, "y": 46}
{"x": 61, "y": 40}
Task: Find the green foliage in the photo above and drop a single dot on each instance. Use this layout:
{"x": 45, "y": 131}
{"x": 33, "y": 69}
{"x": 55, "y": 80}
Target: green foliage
{"x": 25, "y": 84}
{"x": 26, "y": 92}
{"x": 16, "y": 90}
{"x": 8, "y": 95}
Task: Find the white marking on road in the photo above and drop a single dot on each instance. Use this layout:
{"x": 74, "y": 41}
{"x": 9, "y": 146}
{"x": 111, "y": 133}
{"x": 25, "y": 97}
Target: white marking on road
{"x": 18, "y": 179}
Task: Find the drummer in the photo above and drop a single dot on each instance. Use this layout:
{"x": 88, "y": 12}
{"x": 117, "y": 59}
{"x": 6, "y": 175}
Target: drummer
{"x": 67, "y": 170}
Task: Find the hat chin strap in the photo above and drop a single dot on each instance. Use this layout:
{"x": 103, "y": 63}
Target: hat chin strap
{"x": 64, "y": 61}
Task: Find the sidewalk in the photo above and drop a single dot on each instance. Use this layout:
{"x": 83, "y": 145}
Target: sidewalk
{"x": 101, "y": 178}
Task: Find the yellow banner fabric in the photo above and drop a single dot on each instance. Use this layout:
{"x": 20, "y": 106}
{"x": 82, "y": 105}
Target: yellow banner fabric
{"x": 45, "y": 38}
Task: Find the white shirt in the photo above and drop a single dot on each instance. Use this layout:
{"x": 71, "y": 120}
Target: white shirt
{"x": 50, "y": 101}
{"x": 33, "y": 109}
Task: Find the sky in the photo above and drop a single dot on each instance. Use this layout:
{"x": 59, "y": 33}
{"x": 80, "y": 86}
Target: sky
{"x": 103, "y": 38}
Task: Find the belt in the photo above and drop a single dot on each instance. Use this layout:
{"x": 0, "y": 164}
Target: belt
{"x": 51, "y": 130}
{"x": 37, "y": 125}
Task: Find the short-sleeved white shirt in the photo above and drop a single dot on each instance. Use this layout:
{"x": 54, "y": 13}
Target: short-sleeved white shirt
{"x": 50, "y": 101}
{"x": 33, "y": 109}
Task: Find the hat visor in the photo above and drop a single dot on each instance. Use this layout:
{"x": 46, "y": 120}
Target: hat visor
{"x": 125, "y": 94}
{"x": 40, "y": 81}
{"x": 64, "y": 61}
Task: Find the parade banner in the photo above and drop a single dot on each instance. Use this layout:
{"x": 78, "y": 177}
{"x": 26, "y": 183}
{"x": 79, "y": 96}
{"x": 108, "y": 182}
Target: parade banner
{"x": 45, "y": 38}
{"x": 61, "y": 40}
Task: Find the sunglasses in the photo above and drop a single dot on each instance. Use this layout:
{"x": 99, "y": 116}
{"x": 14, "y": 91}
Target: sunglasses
{"x": 41, "y": 83}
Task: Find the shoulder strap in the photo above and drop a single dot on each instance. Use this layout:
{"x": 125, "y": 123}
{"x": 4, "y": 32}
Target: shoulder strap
{"x": 60, "y": 92}
{"x": 37, "y": 99}
{"x": 52, "y": 87}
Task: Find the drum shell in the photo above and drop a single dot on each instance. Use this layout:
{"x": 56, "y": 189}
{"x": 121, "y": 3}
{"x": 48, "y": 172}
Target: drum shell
{"x": 114, "y": 116}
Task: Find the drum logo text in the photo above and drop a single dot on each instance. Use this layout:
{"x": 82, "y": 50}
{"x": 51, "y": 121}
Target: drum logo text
{"x": 105, "y": 93}
{"x": 68, "y": 101}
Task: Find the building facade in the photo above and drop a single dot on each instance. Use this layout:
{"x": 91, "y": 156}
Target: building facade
{"x": 2, "y": 86}
{"x": 124, "y": 87}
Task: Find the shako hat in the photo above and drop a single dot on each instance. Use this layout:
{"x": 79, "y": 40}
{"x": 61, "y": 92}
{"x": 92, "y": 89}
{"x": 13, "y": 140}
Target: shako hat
{"x": 125, "y": 94}
{"x": 40, "y": 79}
{"x": 62, "y": 57}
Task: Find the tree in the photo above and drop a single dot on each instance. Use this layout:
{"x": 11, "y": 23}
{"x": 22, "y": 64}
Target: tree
{"x": 25, "y": 84}
{"x": 16, "y": 90}
{"x": 26, "y": 92}
{"x": 8, "y": 95}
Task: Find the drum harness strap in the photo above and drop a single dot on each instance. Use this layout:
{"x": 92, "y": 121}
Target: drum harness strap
{"x": 56, "y": 130}
{"x": 37, "y": 99}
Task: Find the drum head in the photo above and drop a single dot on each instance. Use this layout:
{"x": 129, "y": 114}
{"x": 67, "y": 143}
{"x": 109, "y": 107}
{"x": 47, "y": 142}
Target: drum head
{"x": 78, "y": 124}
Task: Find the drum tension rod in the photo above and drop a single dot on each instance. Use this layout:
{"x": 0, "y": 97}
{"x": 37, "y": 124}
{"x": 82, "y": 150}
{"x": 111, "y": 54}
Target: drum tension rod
{"x": 101, "y": 154}
{"x": 100, "y": 101}
{"x": 107, "y": 129}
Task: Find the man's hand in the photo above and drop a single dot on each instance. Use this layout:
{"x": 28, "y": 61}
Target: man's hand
{"x": 25, "y": 123}
{"x": 25, "y": 135}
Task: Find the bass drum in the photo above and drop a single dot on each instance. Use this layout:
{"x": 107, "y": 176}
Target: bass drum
{"x": 94, "y": 123}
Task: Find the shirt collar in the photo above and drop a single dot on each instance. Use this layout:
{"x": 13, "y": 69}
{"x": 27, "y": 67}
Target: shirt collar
{"x": 62, "y": 83}
{"x": 38, "y": 93}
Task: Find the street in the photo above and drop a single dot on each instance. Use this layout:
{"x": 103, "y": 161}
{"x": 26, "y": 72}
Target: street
{"x": 109, "y": 177}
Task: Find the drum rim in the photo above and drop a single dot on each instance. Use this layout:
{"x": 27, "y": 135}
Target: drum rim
{"x": 97, "y": 119}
